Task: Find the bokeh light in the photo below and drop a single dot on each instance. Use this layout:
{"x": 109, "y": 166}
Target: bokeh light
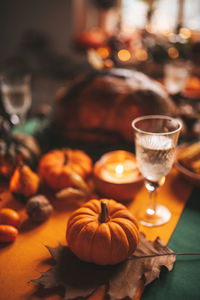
{"x": 124, "y": 55}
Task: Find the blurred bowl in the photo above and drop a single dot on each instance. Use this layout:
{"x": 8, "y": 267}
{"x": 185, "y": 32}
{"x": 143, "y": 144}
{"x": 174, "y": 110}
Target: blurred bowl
{"x": 184, "y": 171}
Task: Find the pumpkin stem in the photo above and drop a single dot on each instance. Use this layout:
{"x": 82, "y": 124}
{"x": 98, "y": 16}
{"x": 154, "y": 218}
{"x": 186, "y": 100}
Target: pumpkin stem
{"x": 104, "y": 217}
{"x": 65, "y": 158}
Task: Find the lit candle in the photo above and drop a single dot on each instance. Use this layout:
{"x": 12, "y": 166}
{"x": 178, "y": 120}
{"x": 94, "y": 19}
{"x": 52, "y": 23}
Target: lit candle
{"x": 119, "y": 167}
{"x": 117, "y": 175}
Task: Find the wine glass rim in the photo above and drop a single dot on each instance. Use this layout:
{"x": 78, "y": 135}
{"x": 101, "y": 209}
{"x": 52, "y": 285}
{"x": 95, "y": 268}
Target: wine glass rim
{"x": 156, "y": 117}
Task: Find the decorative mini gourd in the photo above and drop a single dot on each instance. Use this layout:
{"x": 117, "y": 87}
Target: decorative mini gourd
{"x": 39, "y": 208}
{"x": 9, "y": 216}
{"x": 24, "y": 181}
{"x": 58, "y": 166}
{"x": 15, "y": 147}
{"x": 8, "y": 233}
{"x": 102, "y": 232}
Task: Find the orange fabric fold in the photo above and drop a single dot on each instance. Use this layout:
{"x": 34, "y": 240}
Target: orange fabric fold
{"x": 27, "y": 257}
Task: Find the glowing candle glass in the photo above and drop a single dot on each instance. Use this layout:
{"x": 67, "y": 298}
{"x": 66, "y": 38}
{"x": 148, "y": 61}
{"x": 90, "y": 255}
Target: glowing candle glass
{"x": 119, "y": 167}
{"x": 116, "y": 174}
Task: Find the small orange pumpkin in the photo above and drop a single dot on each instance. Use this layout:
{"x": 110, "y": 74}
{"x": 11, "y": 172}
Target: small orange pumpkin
{"x": 9, "y": 216}
{"x": 57, "y": 166}
{"x": 103, "y": 232}
{"x": 8, "y": 233}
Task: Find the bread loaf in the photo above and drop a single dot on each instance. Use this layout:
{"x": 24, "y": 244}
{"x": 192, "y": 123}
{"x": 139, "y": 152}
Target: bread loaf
{"x": 100, "y": 106}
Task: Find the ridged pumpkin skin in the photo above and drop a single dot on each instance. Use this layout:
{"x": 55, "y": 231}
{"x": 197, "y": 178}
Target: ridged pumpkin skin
{"x": 56, "y": 166}
{"x": 103, "y": 243}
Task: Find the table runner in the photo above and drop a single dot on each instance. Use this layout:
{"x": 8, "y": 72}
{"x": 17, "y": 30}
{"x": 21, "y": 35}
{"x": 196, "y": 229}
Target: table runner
{"x": 174, "y": 194}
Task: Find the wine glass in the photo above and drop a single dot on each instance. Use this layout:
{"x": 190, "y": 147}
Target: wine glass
{"x": 176, "y": 74}
{"x": 156, "y": 138}
{"x": 16, "y": 97}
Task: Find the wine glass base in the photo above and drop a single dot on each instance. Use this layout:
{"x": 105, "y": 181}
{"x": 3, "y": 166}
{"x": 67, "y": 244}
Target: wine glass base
{"x": 150, "y": 219}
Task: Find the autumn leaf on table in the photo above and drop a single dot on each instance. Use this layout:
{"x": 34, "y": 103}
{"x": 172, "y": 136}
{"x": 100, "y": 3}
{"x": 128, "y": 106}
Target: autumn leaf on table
{"x": 80, "y": 279}
{"x": 126, "y": 282}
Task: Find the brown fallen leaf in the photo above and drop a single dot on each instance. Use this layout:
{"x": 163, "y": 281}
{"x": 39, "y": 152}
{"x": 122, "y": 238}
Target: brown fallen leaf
{"x": 77, "y": 277}
{"x": 80, "y": 279}
{"x": 126, "y": 282}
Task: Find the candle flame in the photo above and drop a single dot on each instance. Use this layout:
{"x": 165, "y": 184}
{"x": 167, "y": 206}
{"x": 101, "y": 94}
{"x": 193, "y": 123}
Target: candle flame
{"x": 119, "y": 169}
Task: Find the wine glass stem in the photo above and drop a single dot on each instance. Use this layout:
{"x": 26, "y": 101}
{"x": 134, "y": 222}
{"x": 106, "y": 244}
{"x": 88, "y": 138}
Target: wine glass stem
{"x": 152, "y": 202}
{"x": 152, "y": 189}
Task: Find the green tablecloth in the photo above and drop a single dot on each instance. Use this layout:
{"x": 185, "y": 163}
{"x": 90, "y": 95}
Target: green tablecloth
{"x": 183, "y": 282}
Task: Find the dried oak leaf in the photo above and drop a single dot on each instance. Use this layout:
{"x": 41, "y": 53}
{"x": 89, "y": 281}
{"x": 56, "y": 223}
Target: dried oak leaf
{"x": 80, "y": 279}
{"x": 126, "y": 282}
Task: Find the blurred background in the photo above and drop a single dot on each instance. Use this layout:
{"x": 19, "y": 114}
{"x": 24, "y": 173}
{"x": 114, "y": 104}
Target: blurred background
{"x": 56, "y": 40}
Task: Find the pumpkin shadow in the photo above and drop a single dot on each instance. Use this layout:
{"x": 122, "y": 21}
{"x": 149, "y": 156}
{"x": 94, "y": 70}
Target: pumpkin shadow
{"x": 76, "y": 274}
{"x": 82, "y": 274}
{"x": 5, "y": 245}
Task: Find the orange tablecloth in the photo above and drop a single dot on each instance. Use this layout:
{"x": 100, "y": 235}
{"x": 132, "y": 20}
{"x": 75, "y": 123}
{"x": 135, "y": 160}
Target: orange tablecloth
{"x": 27, "y": 257}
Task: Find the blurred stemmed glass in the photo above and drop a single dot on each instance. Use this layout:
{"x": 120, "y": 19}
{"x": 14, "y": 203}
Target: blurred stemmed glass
{"x": 156, "y": 138}
{"x": 16, "y": 97}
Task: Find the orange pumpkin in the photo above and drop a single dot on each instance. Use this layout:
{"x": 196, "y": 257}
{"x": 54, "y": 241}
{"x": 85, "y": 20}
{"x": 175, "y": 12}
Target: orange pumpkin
{"x": 9, "y": 216}
{"x": 57, "y": 166}
{"x": 8, "y": 233}
{"x": 103, "y": 232}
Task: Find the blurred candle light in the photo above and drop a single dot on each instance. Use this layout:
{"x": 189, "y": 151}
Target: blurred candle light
{"x": 185, "y": 33}
{"x": 108, "y": 64}
{"x": 173, "y": 53}
{"x": 124, "y": 55}
{"x": 103, "y": 52}
{"x": 117, "y": 175}
{"x": 119, "y": 167}
{"x": 141, "y": 54}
